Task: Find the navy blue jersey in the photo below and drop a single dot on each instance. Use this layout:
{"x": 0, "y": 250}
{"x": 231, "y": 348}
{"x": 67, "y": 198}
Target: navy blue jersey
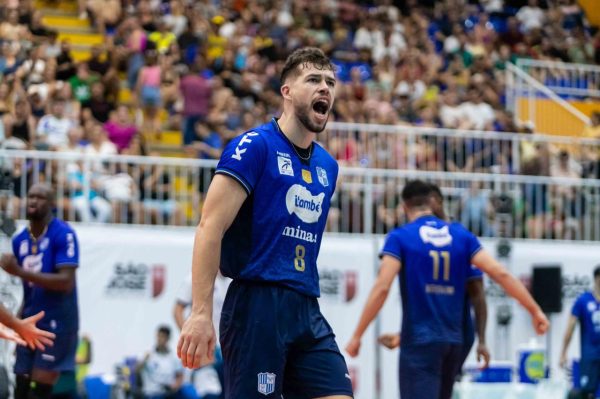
{"x": 436, "y": 262}
{"x": 277, "y": 233}
{"x": 54, "y": 249}
{"x": 587, "y": 311}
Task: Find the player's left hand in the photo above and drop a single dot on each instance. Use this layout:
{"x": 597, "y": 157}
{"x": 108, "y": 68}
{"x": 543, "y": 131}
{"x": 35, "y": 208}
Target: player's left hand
{"x": 9, "y": 264}
{"x": 483, "y": 354}
{"x": 390, "y": 341}
{"x": 353, "y": 347}
{"x": 9, "y": 335}
{"x": 540, "y": 322}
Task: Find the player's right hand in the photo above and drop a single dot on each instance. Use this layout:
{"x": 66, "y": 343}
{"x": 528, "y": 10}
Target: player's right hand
{"x": 563, "y": 361}
{"x": 390, "y": 341}
{"x": 196, "y": 346}
{"x": 34, "y": 337}
{"x": 353, "y": 347}
{"x": 540, "y": 322}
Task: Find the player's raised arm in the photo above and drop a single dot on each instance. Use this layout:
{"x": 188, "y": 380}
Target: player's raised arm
{"x": 513, "y": 287}
{"x": 223, "y": 201}
{"x": 389, "y": 269}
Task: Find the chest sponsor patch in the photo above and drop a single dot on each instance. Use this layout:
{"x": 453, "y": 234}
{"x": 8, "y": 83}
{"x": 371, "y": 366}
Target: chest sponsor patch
{"x": 306, "y": 206}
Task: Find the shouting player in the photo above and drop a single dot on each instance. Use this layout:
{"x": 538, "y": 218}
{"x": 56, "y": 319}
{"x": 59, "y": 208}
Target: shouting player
{"x": 45, "y": 257}
{"x": 262, "y": 222}
{"x": 433, "y": 258}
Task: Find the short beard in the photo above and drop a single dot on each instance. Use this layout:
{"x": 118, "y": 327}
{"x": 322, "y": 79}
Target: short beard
{"x": 302, "y": 115}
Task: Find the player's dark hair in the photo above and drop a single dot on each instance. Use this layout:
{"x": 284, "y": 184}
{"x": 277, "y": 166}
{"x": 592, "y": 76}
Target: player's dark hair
{"x": 165, "y": 330}
{"x": 435, "y": 191}
{"x": 416, "y": 193}
{"x": 597, "y": 271}
{"x": 302, "y": 58}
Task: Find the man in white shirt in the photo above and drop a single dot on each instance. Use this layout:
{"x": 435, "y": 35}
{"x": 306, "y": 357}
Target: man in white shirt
{"x": 480, "y": 114}
{"x": 53, "y": 128}
{"x": 531, "y": 16}
{"x": 161, "y": 370}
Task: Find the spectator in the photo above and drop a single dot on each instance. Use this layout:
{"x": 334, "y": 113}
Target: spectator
{"x": 87, "y": 202}
{"x": 207, "y": 143}
{"x": 98, "y": 108}
{"x": 157, "y": 199}
{"x": 531, "y": 16}
{"x": 12, "y": 30}
{"x": 105, "y": 14}
{"x": 52, "y": 128}
{"x": 81, "y": 84}
{"x": 161, "y": 371}
{"x": 148, "y": 92}
{"x": 20, "y": 124}
{"x": 65, "y": 66}
{"x": 120, "y": 128}
{"x": 196, "y": 92}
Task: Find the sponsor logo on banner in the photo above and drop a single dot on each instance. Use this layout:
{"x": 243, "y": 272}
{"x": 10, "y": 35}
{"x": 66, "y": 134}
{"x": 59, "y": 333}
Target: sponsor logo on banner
{"x": 337, "y": 285}
{"x": 301, "y": 202}
{"x": 284, "y": 161}
{"x": 266, "y": 383}
{"x": 137, "y": 279}
{"x": 437, "y": 237}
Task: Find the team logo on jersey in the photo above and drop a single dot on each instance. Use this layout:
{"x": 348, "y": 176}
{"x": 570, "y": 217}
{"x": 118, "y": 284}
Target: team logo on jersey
{"x": 266, "y": 383}
{"x": 437, "y": 237}
{"x": 591, "y": 306}
{"x": 301, "y": 202}
{"x": 306, "y": 176}
{"x": 24, "y": 248}
{"x": 44, "y": 244}
{"x": 322, "y": 176}
{"x": 239, "y": 150}
{"x": 284, "y": 161}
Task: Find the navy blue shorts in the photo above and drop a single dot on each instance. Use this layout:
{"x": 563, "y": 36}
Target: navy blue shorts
{"x": 59, "y": 357}
{"x": 429, "y": 371}
{"x": 589, "y": 375}
{"x": 276, "y": 342}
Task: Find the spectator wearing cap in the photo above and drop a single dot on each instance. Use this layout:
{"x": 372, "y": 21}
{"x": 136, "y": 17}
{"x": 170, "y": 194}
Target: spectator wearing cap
{"x": 215, "y": 43}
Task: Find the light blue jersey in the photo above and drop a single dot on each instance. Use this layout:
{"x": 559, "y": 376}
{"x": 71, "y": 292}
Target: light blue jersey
{"x": 277, "y": 233}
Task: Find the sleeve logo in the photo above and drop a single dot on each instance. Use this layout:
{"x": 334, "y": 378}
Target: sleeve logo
{"x": 239, "y": 150}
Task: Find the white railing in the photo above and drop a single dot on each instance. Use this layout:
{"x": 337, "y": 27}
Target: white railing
{"x": 170, "y": 191}
{"x": 437, "y": 149}
{"x": 575, "y": 81}
{"x": 531, "y": 101}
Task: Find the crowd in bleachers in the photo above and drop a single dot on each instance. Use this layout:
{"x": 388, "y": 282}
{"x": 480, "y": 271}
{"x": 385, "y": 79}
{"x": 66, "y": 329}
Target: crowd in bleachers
{"x": 210, "y": 69}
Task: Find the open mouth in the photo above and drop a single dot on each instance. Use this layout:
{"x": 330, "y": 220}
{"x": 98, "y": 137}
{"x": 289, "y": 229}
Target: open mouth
{"x": 321, "y": 107}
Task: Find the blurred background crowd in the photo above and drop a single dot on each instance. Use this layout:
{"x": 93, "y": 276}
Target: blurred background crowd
{"x": 181, "y": 78}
